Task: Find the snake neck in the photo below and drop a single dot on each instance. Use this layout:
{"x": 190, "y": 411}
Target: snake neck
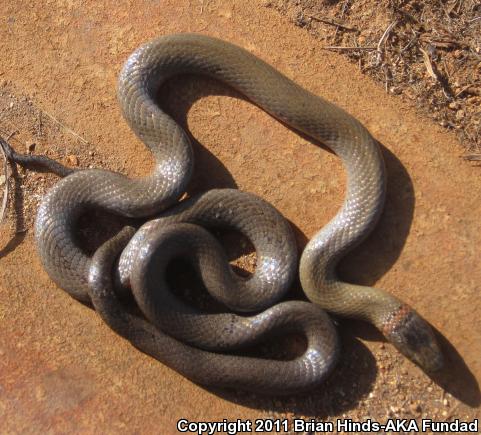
{"x": 399, "y": 323}
{"x": 353, "y": 301}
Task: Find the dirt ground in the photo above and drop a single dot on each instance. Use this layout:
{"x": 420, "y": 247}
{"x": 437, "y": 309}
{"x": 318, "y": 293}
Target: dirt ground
{"x": 63, "y": 370}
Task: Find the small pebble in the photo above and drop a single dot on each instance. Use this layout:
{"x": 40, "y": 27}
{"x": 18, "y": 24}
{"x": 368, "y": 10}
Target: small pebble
{"x": 415, "y": 408}
{"x": 30, "y": 146}
{"x": 72, "y": 160}
{"x": 458, "y": 54}
{"x": 460, "y": 114}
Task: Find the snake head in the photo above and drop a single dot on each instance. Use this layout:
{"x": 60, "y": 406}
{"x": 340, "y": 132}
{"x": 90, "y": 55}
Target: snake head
{"x": 414, "y": 338}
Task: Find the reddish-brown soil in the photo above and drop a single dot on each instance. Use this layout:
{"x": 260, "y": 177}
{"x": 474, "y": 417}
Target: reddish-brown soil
{"x": 63, "y": 370}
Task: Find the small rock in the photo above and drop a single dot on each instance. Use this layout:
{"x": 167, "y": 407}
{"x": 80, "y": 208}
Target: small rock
{"x": 72, "y": 160}
{"x": 30, "y": 146}
{"x": 11, "y": 104}
{"x": 410, "y": 94}
{"x": 396, "y": 90}
{"x": 460, "y": 114}
{"x": 458, "y": 54}
{"x": 415, "y": 408}
{"x": 453, "y": 105}
{"x": 393, "y": 411}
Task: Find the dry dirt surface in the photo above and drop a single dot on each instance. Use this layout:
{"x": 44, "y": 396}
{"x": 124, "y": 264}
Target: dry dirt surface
{"x": 63, "y": 370}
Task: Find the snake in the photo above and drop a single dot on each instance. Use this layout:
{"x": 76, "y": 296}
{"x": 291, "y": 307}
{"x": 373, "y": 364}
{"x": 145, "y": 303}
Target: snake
{"x": 204, "y": 346}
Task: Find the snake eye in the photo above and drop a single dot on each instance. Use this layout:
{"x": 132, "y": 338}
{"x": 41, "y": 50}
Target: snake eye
{"x": 414, "y": 338}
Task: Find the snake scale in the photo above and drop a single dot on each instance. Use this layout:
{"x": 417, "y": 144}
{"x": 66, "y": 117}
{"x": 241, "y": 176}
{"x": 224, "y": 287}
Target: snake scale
{"x": 198, "y": 345}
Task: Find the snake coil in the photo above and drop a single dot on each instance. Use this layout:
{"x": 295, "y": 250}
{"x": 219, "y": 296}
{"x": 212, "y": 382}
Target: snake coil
{"x": 194, "y": 343}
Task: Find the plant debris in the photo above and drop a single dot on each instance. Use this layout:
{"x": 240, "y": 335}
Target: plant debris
{"x": 428, "y": 51}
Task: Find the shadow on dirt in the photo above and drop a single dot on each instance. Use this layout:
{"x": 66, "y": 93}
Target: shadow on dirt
{"x": 20, "y": 231}
{"x": 351, "y": 381}
{"x": 177, "y": 97}
{"x": 456, "y": 378}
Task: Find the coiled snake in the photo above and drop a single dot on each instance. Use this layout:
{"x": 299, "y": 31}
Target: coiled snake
{"x": 178, "y": 335}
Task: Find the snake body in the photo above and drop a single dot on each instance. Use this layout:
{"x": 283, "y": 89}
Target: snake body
{"x": 174, "y": 333}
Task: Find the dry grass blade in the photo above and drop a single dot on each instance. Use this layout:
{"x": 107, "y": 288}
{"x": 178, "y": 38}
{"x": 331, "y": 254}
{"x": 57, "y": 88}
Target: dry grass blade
{"x": 68, "y": 129}
{"x": 382, "y": 41}
{"x": 474, "y": 19}
{"x": 468, "y": 89}
{"x": 429, "y": 65}
{"x": 435, "y": 74}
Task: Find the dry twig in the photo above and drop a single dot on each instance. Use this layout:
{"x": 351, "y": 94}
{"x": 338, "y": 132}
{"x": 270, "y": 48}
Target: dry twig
{"x": 474, "y": 19}
{"x": 332, "y": 23}
{"x": 430, "y": 67}
{"x": 333, "y": 47}
{"x": 382, "y": 42}
{"x": 6, "y": 172}
{"x": 472, "y": 157}
{"x": 435, "y": 74}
